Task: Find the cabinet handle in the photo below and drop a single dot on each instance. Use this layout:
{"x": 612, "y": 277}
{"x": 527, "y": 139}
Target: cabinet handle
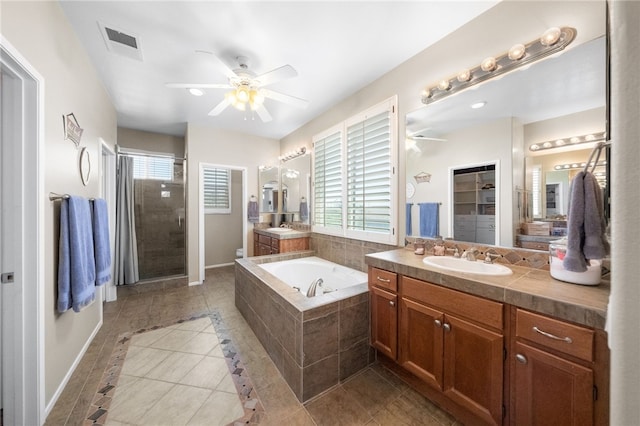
{"x": 446, "y": 327}
{"x": 438, "y": 323}
{"x": 551, "y": 336}
{"x": 383, "y": 280}
{"x": 392, "y": 303}
{"x": 521, "y": 359}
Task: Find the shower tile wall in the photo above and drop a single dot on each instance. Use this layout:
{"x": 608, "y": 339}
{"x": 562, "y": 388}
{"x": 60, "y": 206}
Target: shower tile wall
{"x": 160, "y": 226}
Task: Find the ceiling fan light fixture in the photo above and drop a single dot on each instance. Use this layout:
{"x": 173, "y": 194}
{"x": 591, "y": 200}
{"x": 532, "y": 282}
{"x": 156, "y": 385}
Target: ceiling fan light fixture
{"x": 242, "y": 94}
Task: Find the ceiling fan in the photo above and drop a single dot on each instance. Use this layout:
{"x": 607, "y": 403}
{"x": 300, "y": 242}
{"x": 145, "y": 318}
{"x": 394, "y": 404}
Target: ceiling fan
{"x": 247, "y": 89}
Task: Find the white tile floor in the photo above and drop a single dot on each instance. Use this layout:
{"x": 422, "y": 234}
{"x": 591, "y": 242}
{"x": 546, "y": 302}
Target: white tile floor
{"x": 175, "y": 376}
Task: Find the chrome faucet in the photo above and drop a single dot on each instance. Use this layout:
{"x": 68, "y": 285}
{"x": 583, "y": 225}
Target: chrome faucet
{"x": 470, "y": 254}
{"x": 313, "y": 288}
{"x": 490, "y": 255}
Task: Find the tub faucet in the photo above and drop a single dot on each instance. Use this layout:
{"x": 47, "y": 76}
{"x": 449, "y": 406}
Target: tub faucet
{"x": 470, "y": 254}
{"x": 313, "y": 288}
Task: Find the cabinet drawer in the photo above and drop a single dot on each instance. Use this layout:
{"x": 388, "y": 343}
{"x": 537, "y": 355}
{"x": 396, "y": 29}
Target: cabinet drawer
{"x": 275, "y": 243}
{"x": 264, "y": 239}
{"x": 384, "y": 279}
{"x": 559, "y": 335}
{"x": 534, "y": 245}
{"x": 475, "y": 308}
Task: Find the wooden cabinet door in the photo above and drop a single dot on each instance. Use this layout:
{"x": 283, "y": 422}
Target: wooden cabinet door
{"x": 384, "y": 321}
{"x": 473, "y": 368}
{"x": 420, "y": 341}
{"x": 549, "y": 390}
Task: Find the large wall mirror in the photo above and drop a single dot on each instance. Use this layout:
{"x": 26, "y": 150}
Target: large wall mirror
{"x": 269, "y": 188}
{"x": 552, "y": 100}
{"x": 295, "y": 175}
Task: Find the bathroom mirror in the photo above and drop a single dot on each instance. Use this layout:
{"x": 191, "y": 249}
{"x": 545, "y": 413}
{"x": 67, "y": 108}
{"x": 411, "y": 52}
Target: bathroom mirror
{"x": 269, "y": 188}
{"x": 559, "y": 97}
{"x": 295, "y": 176}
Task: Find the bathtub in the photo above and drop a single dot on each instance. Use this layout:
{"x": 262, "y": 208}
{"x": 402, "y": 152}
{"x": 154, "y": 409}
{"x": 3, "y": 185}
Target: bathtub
{"x": 300, "y": 273}
{"x": 315, "y": 342}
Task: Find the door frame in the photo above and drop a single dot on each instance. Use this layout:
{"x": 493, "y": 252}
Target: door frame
{"x": 108, "y": 192}
{"x": 202, "y": 166}
{"x": 23, "y": 342}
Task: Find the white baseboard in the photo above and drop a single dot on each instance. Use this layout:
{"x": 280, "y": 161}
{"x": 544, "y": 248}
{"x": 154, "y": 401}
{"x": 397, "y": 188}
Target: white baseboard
{"x": 219, "y": 266}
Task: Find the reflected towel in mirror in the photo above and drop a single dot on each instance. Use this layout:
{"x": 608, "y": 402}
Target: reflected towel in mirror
{"x": 253, "y": 214}
{"x": 428, "y": 219}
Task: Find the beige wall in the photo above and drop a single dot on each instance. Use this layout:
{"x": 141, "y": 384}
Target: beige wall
{"x": 225, "y": 148}
{"x": 223, "y": 232}
{"x": 41, "y": 33}
{"x": 148, "y": 141}
{"x": 493, "y": 32}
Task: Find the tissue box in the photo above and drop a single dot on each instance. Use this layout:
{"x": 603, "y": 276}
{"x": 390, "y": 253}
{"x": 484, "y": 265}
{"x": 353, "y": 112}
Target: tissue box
{"x": 536, "y": 228}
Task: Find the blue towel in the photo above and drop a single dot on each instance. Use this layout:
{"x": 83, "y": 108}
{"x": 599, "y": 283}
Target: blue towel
{"x": 101, "y": 241}
{"x": 408, "y": 218}
{"x": 304, "y": 210}
{"x": 428, "y": 219}
{"x": 253, "y": 212}
{"x": 76, "y": 263}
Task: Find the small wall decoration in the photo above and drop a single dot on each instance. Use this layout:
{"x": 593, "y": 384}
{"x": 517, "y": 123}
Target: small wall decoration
{"x": 85, "y": 166}
{"x": 423, "y": 177}
{"x": 72, "y": 129}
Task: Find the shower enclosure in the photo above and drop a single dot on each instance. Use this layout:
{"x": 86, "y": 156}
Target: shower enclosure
{"x": 160, "y": 225}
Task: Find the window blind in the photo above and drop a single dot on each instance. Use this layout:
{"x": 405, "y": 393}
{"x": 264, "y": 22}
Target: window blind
{"x": 217, "y": 190}
{"x": 148, "y": 167}
{"x": 369, "y": 171}
{"x": 536, "y": 190}
{"x": 328, "y": 181}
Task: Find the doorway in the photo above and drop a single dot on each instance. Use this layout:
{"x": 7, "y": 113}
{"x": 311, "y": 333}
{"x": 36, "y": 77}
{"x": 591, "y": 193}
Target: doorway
{"x": 21, "y": 227}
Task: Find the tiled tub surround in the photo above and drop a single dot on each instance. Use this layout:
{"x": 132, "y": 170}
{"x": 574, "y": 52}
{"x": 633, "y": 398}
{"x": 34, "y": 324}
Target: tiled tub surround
{"x": 528, "y": 288}
{"x": 314, "y": 342}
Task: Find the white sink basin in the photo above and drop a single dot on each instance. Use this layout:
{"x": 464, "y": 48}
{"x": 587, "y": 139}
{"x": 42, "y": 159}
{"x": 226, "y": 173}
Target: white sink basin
{"x": 279, "y": 230}
{"x": 462, "y": 265}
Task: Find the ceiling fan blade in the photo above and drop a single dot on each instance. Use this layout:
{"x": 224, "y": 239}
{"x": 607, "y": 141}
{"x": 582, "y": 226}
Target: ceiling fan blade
{"x": 219, "y": 64}
{"x": 220, "y": 107}
{"x": 198, "y": 86}
{"x": 263, "y": 113}
{"x": 278, "y": 74}
{"x": 287, "y": 99}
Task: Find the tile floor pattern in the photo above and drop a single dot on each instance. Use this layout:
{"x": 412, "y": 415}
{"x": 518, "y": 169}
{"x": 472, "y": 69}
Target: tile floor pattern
{"x": 372, "y": 397}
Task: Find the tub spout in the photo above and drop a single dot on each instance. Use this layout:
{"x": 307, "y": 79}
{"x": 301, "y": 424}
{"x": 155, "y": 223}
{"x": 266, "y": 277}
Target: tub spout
{"x": 313, "y": 288}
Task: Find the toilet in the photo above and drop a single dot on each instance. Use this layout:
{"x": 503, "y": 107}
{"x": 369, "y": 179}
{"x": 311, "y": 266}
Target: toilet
{"x": 239, "y": 252}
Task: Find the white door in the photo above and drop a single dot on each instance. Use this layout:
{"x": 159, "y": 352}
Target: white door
{"x": 21, "y": 324}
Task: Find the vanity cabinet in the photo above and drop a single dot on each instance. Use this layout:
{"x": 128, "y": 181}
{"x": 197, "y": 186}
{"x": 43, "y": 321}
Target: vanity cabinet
{"x": 554, "y": 372}
{"x": 454, "y": 342}
{"x": 264, "y": 244}
{"x": 383, "y": 287}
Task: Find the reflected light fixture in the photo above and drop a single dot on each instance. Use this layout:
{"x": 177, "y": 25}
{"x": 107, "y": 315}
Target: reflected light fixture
{"x": 196, "y": 92}
{"x": 573, "y": 166}
{"x": 479, "y": 104}
{"x": 573, "y": 140}
{"x": 553, "y": 40}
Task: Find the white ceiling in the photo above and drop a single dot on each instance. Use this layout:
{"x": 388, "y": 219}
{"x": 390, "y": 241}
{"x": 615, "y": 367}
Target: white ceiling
{"x": 336, "y": 47}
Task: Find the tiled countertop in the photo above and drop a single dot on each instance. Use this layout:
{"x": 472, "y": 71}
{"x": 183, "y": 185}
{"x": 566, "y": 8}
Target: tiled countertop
{"x": 528, "y": 288}
{"x": 283, "y": 235}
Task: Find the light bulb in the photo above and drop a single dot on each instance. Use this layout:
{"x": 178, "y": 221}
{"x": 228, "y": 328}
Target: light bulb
{"x": 464, "y": 75}
{"x": 574, "y": 165}
{"x": 444, "y": 85}
{"x": 257, "y": 97}
{"x": 517, "y": 52}
{"x": 551, "y": 36}
{"x": 560, "y": 142}
{"x": 558, "y": 167}
{"x": 534, "y": 147}
{"x": 575, "y": 139}
{"x": 489, "y": 64}
{"x": 242, "y": 94}
{"x": 427, "y": 93}
{"x": 589, "y": 138}
{"x": 547, "y": 145}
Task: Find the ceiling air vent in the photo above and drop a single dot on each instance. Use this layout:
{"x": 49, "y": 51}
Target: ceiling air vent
{"x": 121, "y": 42}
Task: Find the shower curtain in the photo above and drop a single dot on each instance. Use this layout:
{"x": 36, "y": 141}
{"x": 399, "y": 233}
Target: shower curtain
{"x": 126, "y": 252}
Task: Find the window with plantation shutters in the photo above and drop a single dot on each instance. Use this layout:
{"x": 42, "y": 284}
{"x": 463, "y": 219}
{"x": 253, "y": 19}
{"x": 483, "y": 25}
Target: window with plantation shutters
{"x": 152, "y": 167}
{"x": 354, "y": 176}
{"x": 327, "y": 178}
{"x": 369, "y": 171}
{"x": 536, "y": 191}
{"x": 217, "y": 190}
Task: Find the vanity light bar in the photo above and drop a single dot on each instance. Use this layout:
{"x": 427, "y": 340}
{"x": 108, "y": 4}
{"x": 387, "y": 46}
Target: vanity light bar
{"x": 578, "y": 165}
{"x": 574, "y": 140}
{"x": 293, "y": 154}
{"x": 553, "y": 40}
